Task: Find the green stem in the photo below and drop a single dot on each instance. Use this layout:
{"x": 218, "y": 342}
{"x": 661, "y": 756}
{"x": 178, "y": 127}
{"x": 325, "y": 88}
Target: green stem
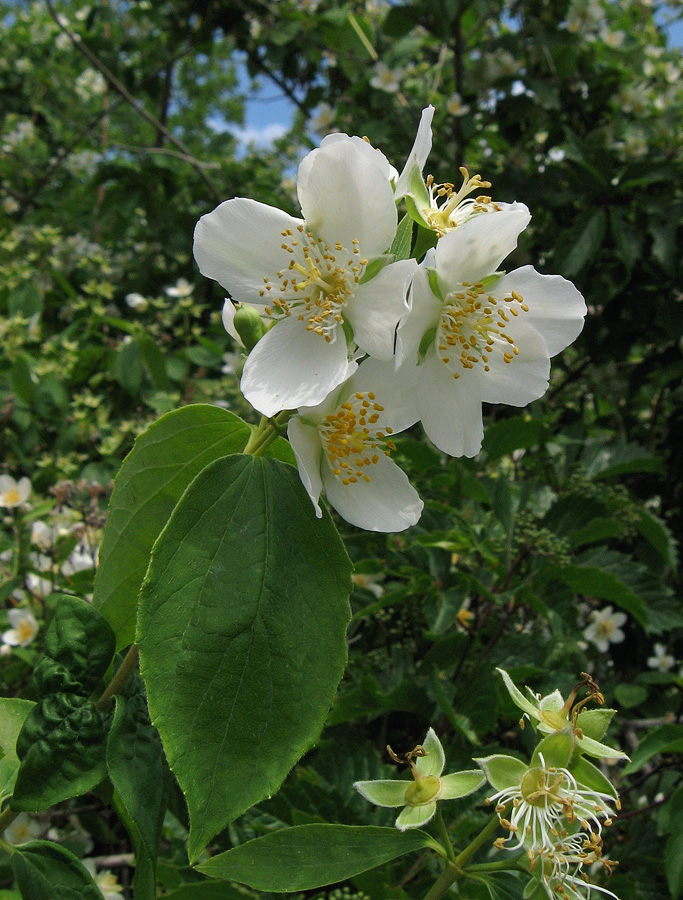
{"x": 124, "y": 671}
{"x": 256, "y": 435}
{"x": 443, "y": 834}
{"x": 455, "y": 868}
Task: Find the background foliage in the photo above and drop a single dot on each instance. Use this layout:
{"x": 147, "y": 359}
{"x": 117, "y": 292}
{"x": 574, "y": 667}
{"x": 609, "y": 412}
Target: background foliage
{"x": 115, "y": 138}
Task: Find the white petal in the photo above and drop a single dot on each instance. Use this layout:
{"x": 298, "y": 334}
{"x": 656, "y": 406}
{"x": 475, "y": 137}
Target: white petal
{"x": 476, "y": 249}
{"x": 372, "y": 155}
{"x": 425, "y": 311}
{"x": 240, "y": 243}
{"x": 378, "y": 308}
{"x": 307, "y": 448}
{"x": 556, "y": 308}
{"x": 522, "y": 380}
{"x": 388, "y": 502}
{"x": 415, "y": 816}
{"x": 383, "y": 793}
{"x": 450, "y": 409}
{"x": 229, "y": 321}
{"x": 292, "y": 367}
{"x": 344, "y": 197}
{"x": 435, "y": 760}
{"x": 460, "y": 784}
{"x": 24, "y": 488}
{"x": 394, "y": 389}
{"x": 419, "y": 152}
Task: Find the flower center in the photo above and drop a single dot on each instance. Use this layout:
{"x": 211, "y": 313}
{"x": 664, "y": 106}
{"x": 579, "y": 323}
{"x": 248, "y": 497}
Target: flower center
{"x": 554, "y": 719}
{"x": 605, "y": 629}
{"x": 473, "y": 324}
{"x": 424, "y": 791}
{"x": 539, "y": 787}
{"x": 318, "y": 282}
{"x": 12, "y": 497}
{"x": 24, "y": 630}
{"x": 455, "y": 209}
{"x": 352, "y": 439}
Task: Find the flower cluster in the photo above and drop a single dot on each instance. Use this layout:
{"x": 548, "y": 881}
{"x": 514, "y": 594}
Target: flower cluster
{"x": 357, "y": 340}
{"x": 555, "y": 807}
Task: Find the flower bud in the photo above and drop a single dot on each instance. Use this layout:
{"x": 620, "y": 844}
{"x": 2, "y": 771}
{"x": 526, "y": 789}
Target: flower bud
{"x": 249, "y": 325}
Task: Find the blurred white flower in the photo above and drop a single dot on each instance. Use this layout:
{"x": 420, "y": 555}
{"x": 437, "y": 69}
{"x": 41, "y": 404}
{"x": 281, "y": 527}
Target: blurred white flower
{"x": 231, "y": 361}
{"x": 22, "y": 131}
{"x": 386, "y": 79}
{"x": 613, "y": 39}
{"x": 14, "y": 493}
{"x": 369, "y": 582}
{"x": 455, "y": 106}
{"x": 22, "y": 830}
{"x": 662, "y": 659}
{"x": 605, "y": 628}
{"x": 39, "y": 587}
{"x": 105, "y": 880}
{"x": 182, "y": 288}
{"x": 324, "y": 118}
{"x": 79, "y": 560}
{"x": 137, "y": 301}
{"x": 556, "y": 154}
{"x": 24, "y": 628}
{"x": 10, "y": 205}
{"x": 90, "y": 83}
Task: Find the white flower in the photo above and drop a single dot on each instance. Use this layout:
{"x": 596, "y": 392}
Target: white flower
{"x": 105, "y": 880}
{"x": 137, "y": 301}
{"x": 420, "y": 796}
{"x": 24, "y": 628}
{"x": 231, "y": 361}
{"x": 455, "y": 106}
{"x": 439, "y": 207}
{"x": 14, "y": 493}
{"x": 562, "y": 862}
{"x": 308, "y": 273}
{"x": 343, "y": 445}
{"x": 182, "y": 288}
{"x": 662, "y": 659}
{"x": 481, "y": 336}
{"x": 10, "y": 205}
{"x": 371, "y": 583}
{"x": 324, "y": 118}
{"x": 386, "y": 79}
{"x": 605, "y": 628}
{"x": 90, "y": 83}
{"x": 22, "y": 830}
{"x": 545, "y": 801}
{"x": 79, "y": 560}
{"x": 39, "y": 587}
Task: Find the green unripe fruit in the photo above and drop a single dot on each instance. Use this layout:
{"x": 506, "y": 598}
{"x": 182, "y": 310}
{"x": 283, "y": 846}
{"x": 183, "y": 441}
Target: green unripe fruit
{"x": 423, "y": 791}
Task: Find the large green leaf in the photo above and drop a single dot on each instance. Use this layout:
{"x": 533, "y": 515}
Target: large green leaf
{"x": 44, "y": 870}
{"x": 665, "y": 739}
{"x": 242, "y": 635}
{"x": 152, "y": 479}
{"x": 309, "y": 856}
{"x": 62, "y": 752}
{"x": 13, "y": 712}
{"x": 136, "y": 769}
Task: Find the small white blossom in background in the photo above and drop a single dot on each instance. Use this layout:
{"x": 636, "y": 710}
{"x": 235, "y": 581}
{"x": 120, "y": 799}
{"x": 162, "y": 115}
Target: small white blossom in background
{"x": 90, "y": 83}
{"x": 137, "y": 301}
{"x": 369, "y": 582}
{"x": 613, "y": 39}
{"x": 661, "y": 659}
{"x": 39, "y": 587}
{"x": 24, "y": 628}
{"x": 605, "y": 628}
{"x": 386, "y": 79}
{"x": 419, "y": 797}
{"x": 105, "y": 880}
{"x": 323, "y": 119}
{"x": 14, "y": 493}
{"x": 182, "y": 288}
{"x": 22, "y": 830}
{"x": 231, "y": 361}
{"x": 83, "y": 164}
{"x": 455, "y": 106}
{"x": 79, "y": 560}
{"x": 10, "y": 205}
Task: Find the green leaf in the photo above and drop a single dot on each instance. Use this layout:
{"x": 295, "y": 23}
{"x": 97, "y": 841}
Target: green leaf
{"x": 25, "y": 300}
{"x": 502, "y": 771}
{"x": 630, "y": 695}
{"x": 206, "y": 890}
{"x": 152, "y": 479}
{"x": 62, "y": 752}
{"x": 508, "y": 435}
{"x": 673, "y": 864}
{"x": 309, "y": 856}
{"x": 79, "y": 648}
{"x": 136, "y": 769}
{"x": 44, "y": 869}
{"x": 13, "y": 712}
{"x": 599, "y": 583}
{"x": 242, "y": 635}
{"x": 659, "y": 536}
{"x": 665, "y": 739}
{"x": 586, "y": 247}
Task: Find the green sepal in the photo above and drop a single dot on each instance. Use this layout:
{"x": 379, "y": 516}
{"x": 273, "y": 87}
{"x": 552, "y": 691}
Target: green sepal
{"x": 45, "y": 870}
{"x": 502, "y": 771}
{"x": 413, "y": 209}
{"x": 79, "y": 648}
{"x": 594, "y": 722}
{"x": 557, "y": 749}
{"x": 591, "y": 777}
{"x": 62, "y": 751}
{"x": 403, "y": 239}
{"x": 427, "y": 340}
{"x": 375, "y": 267}
{"x": 433, "y": 279}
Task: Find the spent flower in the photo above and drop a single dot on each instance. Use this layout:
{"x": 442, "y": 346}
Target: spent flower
{"x": 420, "y": 796}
